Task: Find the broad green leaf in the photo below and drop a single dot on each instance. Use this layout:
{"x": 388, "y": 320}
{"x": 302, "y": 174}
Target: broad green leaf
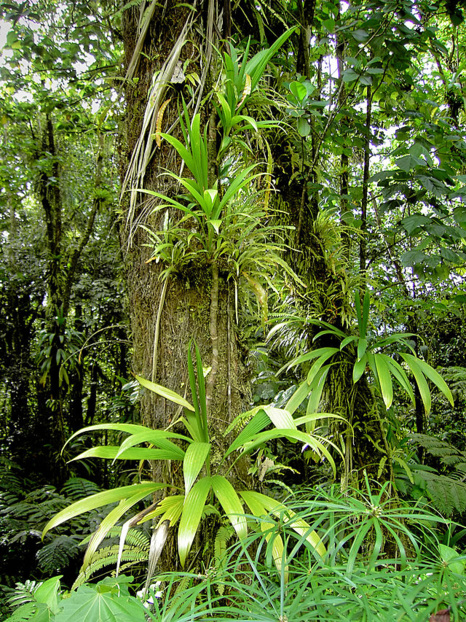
{"x": 260, "y": 504}
{"x": 316, "y": 366}
{"x": 183, "y": 152}
{"x": 399, "y": 373}
{"x": 385, "y": 380}
{"x": 256, "y": 66}
{"x": 359, "y": 368}
{"x": 412, "y": 363}
{"x": 298, "y": 397}
{"x": 164, "y": 392}
{"x": 110, "y": 521}
{"x": 99, "y": 500}
{"x": 304, "y": 129}
{"x": 111, "y": 452}
{"x": 291, "y": 434}
{"x": 360, "y": 35}
{"x": 48, "y": 593}
{"x": 190, "y": 518}
{"x": 432, "y": 375}
{"x": 202, "y": 393}
{"x": 88, "y": 604}
{"x": 259, "y": 421}
{"x": 130, "y": 428}
{"x": 317, "y": 387}
{"x": 280, "y": 417}
{"x": 349, "y": 75}
{"x": 194, "y": 459}
{"x": 348, "y": 340}
{"x": 365, "y": 312}
{"x": 411, "y": 223}
{"x": 452, "y": 559}
{"x": 408, "y": 162}
{"x": 195, "y": 426}
{"x": 229, "y": 500}
{"x": 169, "y": 509}
{"x": 216, "y": 224}
{"x": 299, "y": 90}
{"x": 317, "y": 417}
{"x": 362, "y": 347}
{"x": 159, "y": 438}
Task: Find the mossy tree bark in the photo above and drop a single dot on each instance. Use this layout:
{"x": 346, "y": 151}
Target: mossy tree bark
{"x": 195, "y": 302}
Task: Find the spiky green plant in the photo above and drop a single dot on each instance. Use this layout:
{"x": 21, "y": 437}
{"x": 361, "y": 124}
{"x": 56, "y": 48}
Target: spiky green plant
{"x": 202, "y": 487}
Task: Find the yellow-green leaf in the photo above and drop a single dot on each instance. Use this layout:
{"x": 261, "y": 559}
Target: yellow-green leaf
{"x": 194, "y": 459}
{"x": 164, "y": 392}
{"x": 191, "y": 516}
{"x": 99, "y": 500}
{"x": 231, "y": 504}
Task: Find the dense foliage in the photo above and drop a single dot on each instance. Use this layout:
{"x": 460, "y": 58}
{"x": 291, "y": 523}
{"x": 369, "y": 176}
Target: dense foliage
{"x": 259, "y": 205}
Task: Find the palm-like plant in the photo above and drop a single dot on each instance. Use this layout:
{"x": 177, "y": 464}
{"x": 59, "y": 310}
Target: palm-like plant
{"x": 367, "y": 354}
{"x": 203, "y": 488}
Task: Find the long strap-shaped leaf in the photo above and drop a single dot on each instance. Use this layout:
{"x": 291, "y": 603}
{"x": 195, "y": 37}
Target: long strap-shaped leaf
{"x": 192, "y": 513}
{"x": 421, "y": 370}
{"x": 231, "y": 504}
{"x": 258, "y": 509}
{"x": 278, "y": 509}
{"x": 113, "y": 452}
{"x": 101, "y": 499}
{"x": 194, "y": 459}
{"x": 164, "y": 392}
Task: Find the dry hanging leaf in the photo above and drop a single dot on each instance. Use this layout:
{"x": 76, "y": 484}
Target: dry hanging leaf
{"x": 158, "y": 124}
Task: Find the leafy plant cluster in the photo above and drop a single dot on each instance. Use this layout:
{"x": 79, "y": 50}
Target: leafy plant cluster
{"x": 382, "y": 561}
{"x": 24, "y": 510}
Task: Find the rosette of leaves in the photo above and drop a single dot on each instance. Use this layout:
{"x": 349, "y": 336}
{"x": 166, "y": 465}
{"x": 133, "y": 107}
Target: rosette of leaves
{"x": 367, "y": 353}
{"x": 205, "y": 490}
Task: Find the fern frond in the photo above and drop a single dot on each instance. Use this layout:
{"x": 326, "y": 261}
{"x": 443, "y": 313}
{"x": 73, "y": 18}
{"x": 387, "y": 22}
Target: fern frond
{"x": 108, "y": 556}
{"x": 448, "y": 454}
{"x": 23, "y": 593}
{"x": 446, "y": 494}
{"x": 24, "y": 613}
{"x": 77, "y": 488}
{"x": 134, "y": 537}
{"x": 58, "y": 554}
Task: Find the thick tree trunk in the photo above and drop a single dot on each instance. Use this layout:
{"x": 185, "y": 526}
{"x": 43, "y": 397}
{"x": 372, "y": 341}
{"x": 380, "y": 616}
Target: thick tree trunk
{"x": 195, "y": 302}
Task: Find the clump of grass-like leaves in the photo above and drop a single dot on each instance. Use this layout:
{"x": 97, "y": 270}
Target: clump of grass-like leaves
{"x": 384, "y": 561}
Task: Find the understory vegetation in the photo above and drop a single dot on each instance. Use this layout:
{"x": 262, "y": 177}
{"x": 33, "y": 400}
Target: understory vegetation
{"x": 232, "y": 311}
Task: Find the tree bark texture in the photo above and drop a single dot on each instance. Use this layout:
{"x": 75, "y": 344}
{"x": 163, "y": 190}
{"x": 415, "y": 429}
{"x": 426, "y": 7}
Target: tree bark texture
{"x": 195, "y": 302}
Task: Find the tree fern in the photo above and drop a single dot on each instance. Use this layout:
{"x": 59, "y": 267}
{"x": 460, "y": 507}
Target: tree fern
{"x": 456, "y": 378}
{"x": 446, "y": 494}
{"x": 448, "y": 454}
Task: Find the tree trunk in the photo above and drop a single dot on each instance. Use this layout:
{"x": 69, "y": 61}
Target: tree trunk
{"x": 197, "y": 301}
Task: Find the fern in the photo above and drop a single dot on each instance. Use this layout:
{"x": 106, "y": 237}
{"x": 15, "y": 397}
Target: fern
{"x": 222, "y": 537}
{"x": 23, "y": 593}
{"x": 24, "y": 613}
{"x": 447, "y": 492}
{"x": 137, "y": 546}
{"x": 79, "y": 488}
{"x": 456, "y": 378}
{"x": 108, "y": 556}
{"x": 448, "y": 454}
{"x": 134, "y": 538}
{"x": 58, "y": 554}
